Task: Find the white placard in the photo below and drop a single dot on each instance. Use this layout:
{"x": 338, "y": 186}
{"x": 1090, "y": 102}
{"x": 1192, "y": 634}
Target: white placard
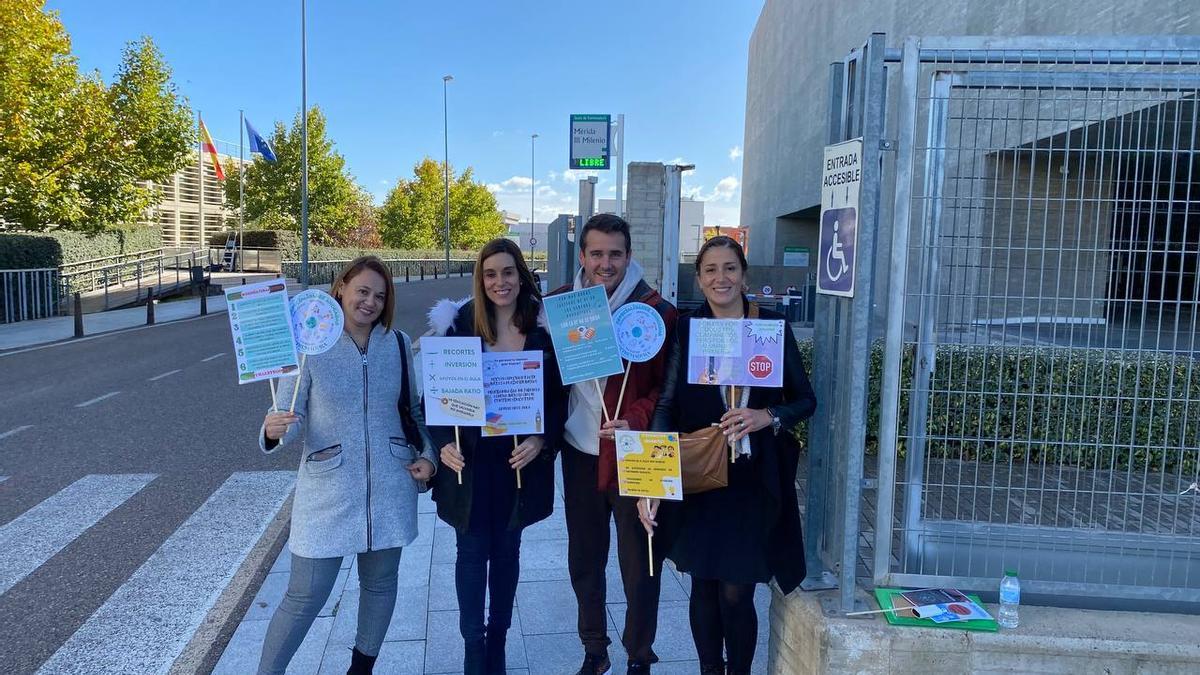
{"x": 452, "y": 374}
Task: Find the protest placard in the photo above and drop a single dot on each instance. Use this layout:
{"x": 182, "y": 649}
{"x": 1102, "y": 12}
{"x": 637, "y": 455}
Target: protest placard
{"x": 581, "y": 328}
{"x": 513, "y": 399}
{"x": 744, "y": 352}
{"x": 260, "y": 324}
{"x": 648, "y": 465}
{"x": 452, "y": 370}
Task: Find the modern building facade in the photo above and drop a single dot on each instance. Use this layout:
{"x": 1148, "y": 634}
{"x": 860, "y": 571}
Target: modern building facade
{"x": 179, "y": 211}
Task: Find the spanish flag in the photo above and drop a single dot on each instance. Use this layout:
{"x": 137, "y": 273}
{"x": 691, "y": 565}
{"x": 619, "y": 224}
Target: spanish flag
{"x": 207, "y": 145}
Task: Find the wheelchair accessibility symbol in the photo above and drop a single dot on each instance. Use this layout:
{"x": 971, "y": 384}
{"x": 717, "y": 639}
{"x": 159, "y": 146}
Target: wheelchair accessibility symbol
{"x": 838, "y": 239}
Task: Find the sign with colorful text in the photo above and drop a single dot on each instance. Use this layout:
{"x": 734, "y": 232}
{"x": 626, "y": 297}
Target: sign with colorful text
{"x": 261, "y": 325}
{"x": 641, "y": 331}
{"x": 452, "y": 370}
{"x": 581, "y": 328}
{"x": 512, "y": 391}
{"x": 648, "y": 465}
{"x": 316, "y": 321}
{"x": 745, "y": 352}
{"x": 590, "y": 141}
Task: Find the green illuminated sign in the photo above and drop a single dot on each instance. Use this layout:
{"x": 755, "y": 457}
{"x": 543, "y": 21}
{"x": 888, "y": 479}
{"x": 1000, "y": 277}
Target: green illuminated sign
{"x": 590, "y": 136}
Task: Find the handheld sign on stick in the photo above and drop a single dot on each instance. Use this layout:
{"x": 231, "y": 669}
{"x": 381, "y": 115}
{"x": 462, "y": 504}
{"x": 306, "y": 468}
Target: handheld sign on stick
{"x": 261, "y": 328}
{"x": 452, "y": 370}
{"x": 585, "y": 344}
{"x": 641, "y": 333}
{"x": 649, "y": 466}
{"x": 513, "y": 395}
{"x": 317, "y": 321}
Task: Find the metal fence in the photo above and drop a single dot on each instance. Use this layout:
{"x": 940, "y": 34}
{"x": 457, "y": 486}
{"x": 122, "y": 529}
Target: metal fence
{"x": 28, "y": 294}
{"x": 122, "y": 282}
{"x": 1039, "y": 395}
{"x": 323, "y": 271}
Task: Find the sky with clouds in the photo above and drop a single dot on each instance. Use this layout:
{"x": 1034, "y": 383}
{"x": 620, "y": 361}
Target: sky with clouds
{"x": 676, "y": 70}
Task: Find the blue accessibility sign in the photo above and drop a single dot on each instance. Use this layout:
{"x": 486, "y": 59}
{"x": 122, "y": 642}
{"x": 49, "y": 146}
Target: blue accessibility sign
{"x": 840, "y": 183}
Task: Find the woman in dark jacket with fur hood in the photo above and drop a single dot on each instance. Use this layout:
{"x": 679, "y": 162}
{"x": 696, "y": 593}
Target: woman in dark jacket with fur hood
{"x": 487, "y": 510}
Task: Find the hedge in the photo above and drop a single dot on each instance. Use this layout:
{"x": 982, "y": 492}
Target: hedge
{"x": 1079, "y": 407}
{"x": 28, "y": 250}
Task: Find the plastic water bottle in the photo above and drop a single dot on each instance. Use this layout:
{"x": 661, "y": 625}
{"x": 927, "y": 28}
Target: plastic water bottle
{"x": 1010, "y": 599}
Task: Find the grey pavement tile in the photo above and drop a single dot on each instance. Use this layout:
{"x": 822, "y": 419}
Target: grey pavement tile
{"x": 544, "y": 560}
{"x": 245, "y": 647}
{"x": 395, "y": 658}
{"x": 408, "y": 619}
{"x": 270, "y": 594}
{"x": 553, "y": 653}
{"x": 444, "y": 646}
{"x": 445, "y": 545}
{"x": 425, "y": 503}
{"x": 552, "y": 528}
{"x": 676, "y": 668}
{"x": 425, "y": 528}
{"x": 442, "y": 593}
{"x": 414, "y": 566}
{"x": 673, "y": 641}
{"x": 547, "y": 607}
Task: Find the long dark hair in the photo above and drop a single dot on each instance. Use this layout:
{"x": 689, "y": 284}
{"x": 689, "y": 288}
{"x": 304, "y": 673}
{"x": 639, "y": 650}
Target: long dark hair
{"x": 722, "y": 241}
{"x": 529, "y": 296}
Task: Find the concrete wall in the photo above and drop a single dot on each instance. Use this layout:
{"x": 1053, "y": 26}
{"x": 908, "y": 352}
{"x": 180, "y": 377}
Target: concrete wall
{"x": 794, "y": 42}
{"x": 644, "y": 211}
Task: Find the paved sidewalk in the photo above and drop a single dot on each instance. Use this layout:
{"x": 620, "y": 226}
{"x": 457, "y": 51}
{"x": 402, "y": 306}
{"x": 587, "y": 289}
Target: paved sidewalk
{"x": 423, "y": 636}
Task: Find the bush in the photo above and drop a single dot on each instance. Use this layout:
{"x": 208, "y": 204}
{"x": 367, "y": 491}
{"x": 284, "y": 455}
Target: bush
{"x": 1077, "y": 407}
{"x": 63, "y": 247}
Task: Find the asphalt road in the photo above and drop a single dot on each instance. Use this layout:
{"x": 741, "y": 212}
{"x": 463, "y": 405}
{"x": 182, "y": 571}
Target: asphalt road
{"x": 161, "y": 400}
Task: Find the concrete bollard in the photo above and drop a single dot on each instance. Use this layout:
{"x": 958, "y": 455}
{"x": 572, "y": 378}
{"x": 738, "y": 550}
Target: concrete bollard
{"x": 150, "y": 306}
{"x": 78, "y": 316}
{"x": 435, "y": 272}
{"x": 406, "y": 274}
{"x": 204, "y": 299}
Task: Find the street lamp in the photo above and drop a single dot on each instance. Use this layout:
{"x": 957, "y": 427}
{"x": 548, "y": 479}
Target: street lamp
{"x": 532, "y": 190}
{"x": 303, "y": 144}
{"x": 446, "y": 168}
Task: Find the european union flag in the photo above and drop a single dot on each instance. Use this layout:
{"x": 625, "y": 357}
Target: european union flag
{"x": 259, "y": 144}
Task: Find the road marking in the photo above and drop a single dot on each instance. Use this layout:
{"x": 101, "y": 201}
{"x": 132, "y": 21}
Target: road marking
{"x": 97, "y": 399}
{"x": 148, "y": 621}
{"x": 166, "y": 374}
{"x": 35, "y": 536}
{"x": 18, "y": 430}
{"x": 214, "y": 356}
{"x": 3, "y": 478}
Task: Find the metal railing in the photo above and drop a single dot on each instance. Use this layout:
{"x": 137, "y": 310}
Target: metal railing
{"x": 29, "y": 294}
{"x": 1037, "y": 405}
{"x": 252, "y": 259}
{"x": 323, "y": 271}
{"x": 164, "y": 272}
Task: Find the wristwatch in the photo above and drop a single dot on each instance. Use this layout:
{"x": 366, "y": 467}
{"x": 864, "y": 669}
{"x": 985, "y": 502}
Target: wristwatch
{"x": 775, "y": 423}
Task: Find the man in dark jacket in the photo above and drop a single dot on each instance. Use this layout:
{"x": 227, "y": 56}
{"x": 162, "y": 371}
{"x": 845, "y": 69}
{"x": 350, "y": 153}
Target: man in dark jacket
{"x": 589, "y": 463}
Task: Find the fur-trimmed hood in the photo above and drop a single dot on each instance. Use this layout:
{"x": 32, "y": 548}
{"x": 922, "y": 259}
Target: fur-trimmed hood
{"x": 444, "y": 314}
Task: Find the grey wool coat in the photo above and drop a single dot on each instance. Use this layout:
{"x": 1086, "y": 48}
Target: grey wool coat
{"x": 354, "y": 492}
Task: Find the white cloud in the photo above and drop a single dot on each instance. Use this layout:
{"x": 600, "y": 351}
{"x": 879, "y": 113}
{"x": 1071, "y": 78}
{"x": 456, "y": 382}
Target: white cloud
{"x": 726, "y": 188}
{"x": 546, "y": 191}
{"x": 735, "y": 153}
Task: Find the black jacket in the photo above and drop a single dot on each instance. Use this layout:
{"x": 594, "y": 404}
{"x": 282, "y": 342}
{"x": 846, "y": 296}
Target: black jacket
{"x": 535, "y": 500}
{"x": 771, "y": 469}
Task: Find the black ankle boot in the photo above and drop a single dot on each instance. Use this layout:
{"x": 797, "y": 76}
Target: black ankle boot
{"x": 712, "y": 668}
{"x": 475, "y": 657}
{"x": 360, "y": 663}
{"x": 494, "y": 661}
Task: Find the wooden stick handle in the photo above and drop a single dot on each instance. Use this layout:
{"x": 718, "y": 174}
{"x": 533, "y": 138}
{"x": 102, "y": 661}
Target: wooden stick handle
{"x": 603, "y": 407}
{"x": 458, "y": 444}
{"x": 515, "y": 446}
{"x": 650, "y": 541}
{"x": 624, "y": 381}
{"x": 299, "y": 374}
{"x": 274, "y": 403}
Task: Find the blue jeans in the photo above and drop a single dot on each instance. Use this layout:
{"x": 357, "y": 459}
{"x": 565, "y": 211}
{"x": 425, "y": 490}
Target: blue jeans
{"x": 309, "y": 584}
{"x": 489, "y": 563}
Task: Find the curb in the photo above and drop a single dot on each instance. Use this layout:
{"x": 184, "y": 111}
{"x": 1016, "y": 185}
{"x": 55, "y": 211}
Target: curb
{"x": 211, "y": 638}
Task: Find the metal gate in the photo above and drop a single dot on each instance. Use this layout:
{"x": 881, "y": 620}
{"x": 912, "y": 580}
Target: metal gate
{"x": 1036, "y": 293}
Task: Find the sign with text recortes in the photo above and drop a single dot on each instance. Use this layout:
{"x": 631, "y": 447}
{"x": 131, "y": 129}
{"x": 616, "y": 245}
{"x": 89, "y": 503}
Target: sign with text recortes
{"x": 590, "y": 141}
{"x": 452, "y": 374}
{"x": 841, "y": 180}
{"x": 581, "y": 328}
{"x": 260, "y": 323}
{"x": 513, "y": 384}
{"x": 648, "y": 465}
{"x": 640, "y": 331}
{"x": 317, "y": 320}
{"x": 743, "y": 352}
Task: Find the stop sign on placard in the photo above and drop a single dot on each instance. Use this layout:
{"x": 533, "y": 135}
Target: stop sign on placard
{"x": 760, "y": 366}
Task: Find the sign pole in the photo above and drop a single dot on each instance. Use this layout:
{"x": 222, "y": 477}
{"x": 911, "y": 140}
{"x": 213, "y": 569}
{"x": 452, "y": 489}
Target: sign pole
{"x": 274, "y": 403}
{"x": 296, "y": 389}
{"x": 458, "y": 444}
{"x": 515, "y": 446}
{"x": 620, "y": 163}
{"x": 650, "y": 540}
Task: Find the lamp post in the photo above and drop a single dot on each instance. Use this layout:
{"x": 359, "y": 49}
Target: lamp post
{"x": 446, "y": 168}
{"x": 532, "y": 190}
{"x": 303, "y": 145}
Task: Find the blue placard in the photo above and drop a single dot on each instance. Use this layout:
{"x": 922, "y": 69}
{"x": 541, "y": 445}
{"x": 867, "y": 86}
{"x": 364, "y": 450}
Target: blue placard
{"x": 581, "y": 328}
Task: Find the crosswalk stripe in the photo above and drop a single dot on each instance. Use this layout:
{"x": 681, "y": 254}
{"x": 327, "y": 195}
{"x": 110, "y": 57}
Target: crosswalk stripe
{"x": 147, "y": 622}
{"x": 3, "y": 478}
{"x": 32, "y": 538}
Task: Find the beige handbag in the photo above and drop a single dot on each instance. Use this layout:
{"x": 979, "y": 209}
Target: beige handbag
{"x": 704, "y": 456}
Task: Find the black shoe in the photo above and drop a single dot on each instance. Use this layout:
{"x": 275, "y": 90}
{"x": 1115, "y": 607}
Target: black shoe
{"x": 637, "y": 668}
{"x": 494, "y": 661}
{"x": 712, "y": 669}
{"x": 360, "y": 663}
{"x": 595, "y": 664}
{"x": 474, "y": 657}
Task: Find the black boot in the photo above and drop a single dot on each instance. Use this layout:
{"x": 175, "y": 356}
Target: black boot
{"x": 360, "y": 663}
{"x": 495, "y": 653}
{"x": 475, "y": 657}
{"x": 712, "y": 669}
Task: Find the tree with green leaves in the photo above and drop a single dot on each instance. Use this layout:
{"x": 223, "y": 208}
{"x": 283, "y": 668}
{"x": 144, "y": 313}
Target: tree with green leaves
{"x": 273, "y": 188}
{"x": 413, "y": 215}
{"x": 75, "y": 153}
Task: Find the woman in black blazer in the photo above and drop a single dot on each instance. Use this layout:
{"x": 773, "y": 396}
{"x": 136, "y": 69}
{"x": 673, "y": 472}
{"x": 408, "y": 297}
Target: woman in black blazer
{"x": 488, "y": 511}
{"x": 731, "y": 539}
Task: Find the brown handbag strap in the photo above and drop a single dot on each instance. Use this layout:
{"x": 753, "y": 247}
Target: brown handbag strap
{"x": 753, "y": 313}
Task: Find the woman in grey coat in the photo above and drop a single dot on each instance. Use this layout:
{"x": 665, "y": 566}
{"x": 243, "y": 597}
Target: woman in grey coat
{"x": 359, "y": 471}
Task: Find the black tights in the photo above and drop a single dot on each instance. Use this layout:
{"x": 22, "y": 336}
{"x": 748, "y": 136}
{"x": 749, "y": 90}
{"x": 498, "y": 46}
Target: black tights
{"x": 724, "y": 621}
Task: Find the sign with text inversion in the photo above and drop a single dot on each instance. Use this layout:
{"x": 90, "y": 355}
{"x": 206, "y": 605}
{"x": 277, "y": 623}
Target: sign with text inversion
{"x": 841, "y": 181}
{"x": 590, "y": 141}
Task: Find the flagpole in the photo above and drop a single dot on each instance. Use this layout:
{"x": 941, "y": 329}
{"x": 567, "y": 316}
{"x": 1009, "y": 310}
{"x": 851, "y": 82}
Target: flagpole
{"x": 200, "y": 164}
{"x": 241, "y": 189}
{"x": 304, "y": 146}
